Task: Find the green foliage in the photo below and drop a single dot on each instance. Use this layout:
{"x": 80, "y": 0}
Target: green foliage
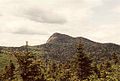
{"x": 8, "y": 74}
{"x": 4, "y": 59}
{"x": 28, "y": 65}
{"x": 82, "y": 64}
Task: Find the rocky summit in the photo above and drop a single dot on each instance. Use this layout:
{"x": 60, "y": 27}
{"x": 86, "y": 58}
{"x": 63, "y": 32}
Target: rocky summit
{"x": 61, "y": 47}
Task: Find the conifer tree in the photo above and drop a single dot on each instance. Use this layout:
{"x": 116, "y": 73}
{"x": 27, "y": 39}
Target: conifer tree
{"x": 28, "y": 66}
{"x": 82, "y": 64}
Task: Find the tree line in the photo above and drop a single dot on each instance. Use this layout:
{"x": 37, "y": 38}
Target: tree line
{"x": 79, "y": 68}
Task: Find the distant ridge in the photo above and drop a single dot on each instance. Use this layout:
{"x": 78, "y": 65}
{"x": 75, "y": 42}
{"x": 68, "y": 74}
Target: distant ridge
{"x": 61, "y": 47}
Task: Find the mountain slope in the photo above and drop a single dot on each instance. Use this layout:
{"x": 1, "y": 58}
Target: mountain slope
{"x": 62, "y": 47}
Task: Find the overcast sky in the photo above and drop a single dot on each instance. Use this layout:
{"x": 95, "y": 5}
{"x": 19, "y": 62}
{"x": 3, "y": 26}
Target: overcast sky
{"x": 36, "y": 20}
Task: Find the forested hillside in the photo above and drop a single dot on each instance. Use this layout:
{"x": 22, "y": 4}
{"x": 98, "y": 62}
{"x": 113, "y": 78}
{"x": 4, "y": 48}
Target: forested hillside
{"x": 61, "y": 58}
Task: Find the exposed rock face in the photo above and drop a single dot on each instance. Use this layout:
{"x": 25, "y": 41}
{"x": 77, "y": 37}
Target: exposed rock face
{"x": 60, "y": 38}
{"x": 61, "y": 47}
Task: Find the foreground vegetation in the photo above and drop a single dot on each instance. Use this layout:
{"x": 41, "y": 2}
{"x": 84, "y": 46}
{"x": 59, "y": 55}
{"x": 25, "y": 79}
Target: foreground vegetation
{"x": 26, "y": 66}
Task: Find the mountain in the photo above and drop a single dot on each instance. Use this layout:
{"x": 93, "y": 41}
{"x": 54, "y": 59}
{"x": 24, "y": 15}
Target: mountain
{"x": 62, "y": 47}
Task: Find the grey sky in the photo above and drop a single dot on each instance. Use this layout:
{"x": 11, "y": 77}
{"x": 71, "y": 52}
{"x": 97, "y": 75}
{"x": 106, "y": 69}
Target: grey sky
{"x": 36, "y": 20}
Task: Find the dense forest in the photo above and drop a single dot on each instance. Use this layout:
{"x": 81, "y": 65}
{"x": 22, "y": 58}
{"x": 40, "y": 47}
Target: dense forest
{"x": 61, "y": 58}
{"x": 25, "y": 65}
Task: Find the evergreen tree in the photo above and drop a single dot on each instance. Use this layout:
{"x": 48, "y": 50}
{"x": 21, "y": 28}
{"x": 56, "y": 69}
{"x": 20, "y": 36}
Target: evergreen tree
{"x": 29, "y": 68}
{"x": 82, "y": 64}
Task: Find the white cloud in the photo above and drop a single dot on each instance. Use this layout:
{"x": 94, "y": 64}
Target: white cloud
{"x": 36, "y": 20}
{"x": 116, "y": 9}
{"x": 43, "y": 16}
